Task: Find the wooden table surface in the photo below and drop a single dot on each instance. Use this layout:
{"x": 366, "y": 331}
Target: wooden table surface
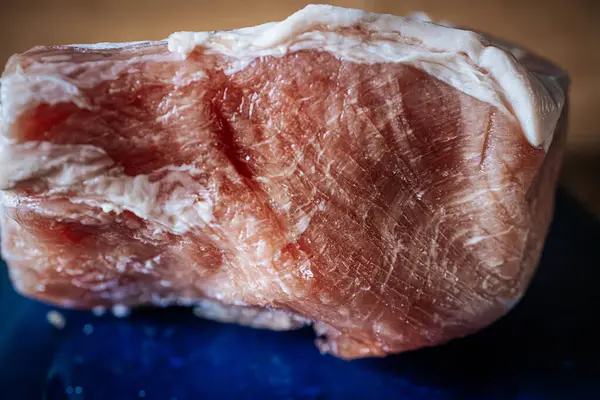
{"x": 565, "y": 31}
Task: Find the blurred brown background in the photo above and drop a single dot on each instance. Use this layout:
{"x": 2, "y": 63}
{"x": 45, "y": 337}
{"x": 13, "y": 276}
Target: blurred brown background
{"x": 566, "y": 31}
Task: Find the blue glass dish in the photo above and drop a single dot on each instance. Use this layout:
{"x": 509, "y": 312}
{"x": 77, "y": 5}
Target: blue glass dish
{"x": 546, "y": 348}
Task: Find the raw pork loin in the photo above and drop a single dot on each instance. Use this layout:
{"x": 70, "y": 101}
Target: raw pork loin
{"x": 386, "y": 179}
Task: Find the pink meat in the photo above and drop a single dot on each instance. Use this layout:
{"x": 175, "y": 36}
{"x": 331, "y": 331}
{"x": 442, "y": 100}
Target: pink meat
{"x": 377, "y": 202}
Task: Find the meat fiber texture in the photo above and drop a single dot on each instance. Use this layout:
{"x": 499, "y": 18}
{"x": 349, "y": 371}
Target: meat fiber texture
{"x": 388, "y": 180}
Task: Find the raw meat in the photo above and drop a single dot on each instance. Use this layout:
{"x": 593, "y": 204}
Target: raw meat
{"x": 386, "y": 179}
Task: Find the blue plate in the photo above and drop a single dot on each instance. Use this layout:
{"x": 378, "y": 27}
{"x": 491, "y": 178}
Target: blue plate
{"x": 546, "y": 348}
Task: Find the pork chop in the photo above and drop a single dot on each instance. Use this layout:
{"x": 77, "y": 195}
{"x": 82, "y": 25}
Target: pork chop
{"x": 386, "y": 179}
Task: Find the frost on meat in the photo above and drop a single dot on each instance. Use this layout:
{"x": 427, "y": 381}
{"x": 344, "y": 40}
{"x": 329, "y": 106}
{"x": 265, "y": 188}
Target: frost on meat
{"x": 389, "y": 180}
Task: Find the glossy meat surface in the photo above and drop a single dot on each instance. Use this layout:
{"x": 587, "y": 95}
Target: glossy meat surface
{"x": 374, "y": 200}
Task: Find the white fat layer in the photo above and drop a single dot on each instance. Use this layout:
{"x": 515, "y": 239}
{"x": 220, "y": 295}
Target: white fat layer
{"x": 460, "y": 58}
{"x": 49, "y": 164}
{"x": 21, "y": 92}
{"x": 111, "y": 46}
{"x": 170, "y": 198}
{"x": 175, "y": 202}
{"x": 254, "y": 317}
